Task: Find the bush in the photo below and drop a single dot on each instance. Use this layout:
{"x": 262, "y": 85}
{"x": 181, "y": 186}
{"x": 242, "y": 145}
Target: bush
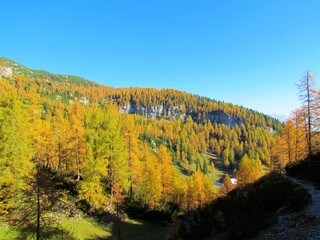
{"x": 306, "y": 170}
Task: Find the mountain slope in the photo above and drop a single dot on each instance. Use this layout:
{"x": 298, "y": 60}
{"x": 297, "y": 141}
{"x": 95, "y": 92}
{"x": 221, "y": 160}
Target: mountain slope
{"x": 197, "y": 125}
{"x": 149, "y": 102}
{"x": 165, "y": 156}
{"x": 10, "y": 68}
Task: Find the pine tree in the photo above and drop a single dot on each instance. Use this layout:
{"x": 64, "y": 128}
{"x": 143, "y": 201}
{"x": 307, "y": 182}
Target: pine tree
{"x": 205, "y": 169}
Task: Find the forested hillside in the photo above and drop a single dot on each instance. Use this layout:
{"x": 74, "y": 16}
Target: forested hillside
{"x": 158, "y": 149}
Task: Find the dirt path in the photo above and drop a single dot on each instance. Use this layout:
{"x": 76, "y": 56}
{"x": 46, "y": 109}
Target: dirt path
{"x": 298, "y": 226}
{"x": 313, "y": 209}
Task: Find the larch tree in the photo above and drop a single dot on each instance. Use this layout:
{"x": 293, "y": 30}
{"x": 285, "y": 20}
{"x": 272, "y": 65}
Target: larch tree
{"x": 118, "y": 166}
{"x": 308, "y": 97}
{"x": 58, "y": 123}
{"x": 130, "y": 134}
{"x": 225, "y": 157}
{"x": 95, "y": 167}
{"x": 33, "y": 215}
{"x": 137, "y": 174}
{"x": 15, "y": 148}
{"x": 279, "y": 156}
{"x": 301, "y": 149}
{"x": 212, "y": 167}
{"x": 199, "y": 191}
{"x": 118, "y": 201}
{"x": 195, "y": 191}
{"x": 151, "y": 186}
{"x": 44, "y": 143}
{"x": 77, "y": 141}
{"x": 289, "y": 134}
{"x": 227, "y": 185}
{"x": 167, "y": 173}
{"x": 294, "y": 141}
{"x": 249, "y": 171}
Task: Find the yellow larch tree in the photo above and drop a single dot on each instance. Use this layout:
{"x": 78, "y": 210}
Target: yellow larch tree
{"x": 167, "y": 173}
{"x": 77, "y": 140}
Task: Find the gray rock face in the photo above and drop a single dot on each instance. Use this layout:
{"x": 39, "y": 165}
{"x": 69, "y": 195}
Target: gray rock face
{"x": 222, "y": 117}
{"x": 5, "y": 71}
{"x": 157, "y": 111}
{"x": 169, "y": 113}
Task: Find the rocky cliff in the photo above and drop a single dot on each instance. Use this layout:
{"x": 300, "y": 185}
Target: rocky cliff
{"x": 169, "y": 113}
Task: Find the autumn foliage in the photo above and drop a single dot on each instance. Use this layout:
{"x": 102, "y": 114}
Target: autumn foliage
{"x": 77, "y": 130}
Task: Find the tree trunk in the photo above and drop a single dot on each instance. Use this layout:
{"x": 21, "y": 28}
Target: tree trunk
{"x": 38, "y": 213}
{"x": 309, "y": 118}
{"x": 78, "y": 160}
{"x": 118, "y": 222}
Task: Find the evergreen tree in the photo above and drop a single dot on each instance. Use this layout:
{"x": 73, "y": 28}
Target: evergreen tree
{"x": 205, "y": 169}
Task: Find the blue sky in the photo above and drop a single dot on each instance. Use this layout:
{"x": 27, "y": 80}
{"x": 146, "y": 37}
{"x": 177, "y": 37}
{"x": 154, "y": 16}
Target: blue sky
{"x": 248, "y": 52}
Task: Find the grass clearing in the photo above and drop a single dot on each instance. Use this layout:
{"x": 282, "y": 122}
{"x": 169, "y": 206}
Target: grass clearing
{"x": 218, "y": 174}
{"x": 143, "y": 230}
{"x": 86, "y": 228}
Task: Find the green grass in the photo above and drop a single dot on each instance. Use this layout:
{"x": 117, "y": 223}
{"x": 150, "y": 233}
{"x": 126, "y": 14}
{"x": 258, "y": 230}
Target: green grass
{"x": 218, "y": 174}
{"x": 7, "y": 233}
{"x": 86, "y": 228}
{"x": 143, "y": 230}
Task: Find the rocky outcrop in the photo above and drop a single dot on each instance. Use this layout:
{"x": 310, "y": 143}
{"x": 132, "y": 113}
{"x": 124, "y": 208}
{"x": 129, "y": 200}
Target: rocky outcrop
{"x": 157, "y": 111}
{"x": 222, "y": 117}
{"x": 5, "y": 71}
{"x": 169, "y": 113}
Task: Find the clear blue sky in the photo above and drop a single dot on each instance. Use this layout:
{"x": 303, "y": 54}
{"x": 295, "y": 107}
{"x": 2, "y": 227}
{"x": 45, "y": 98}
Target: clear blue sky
{"x": 250, "y": 53}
